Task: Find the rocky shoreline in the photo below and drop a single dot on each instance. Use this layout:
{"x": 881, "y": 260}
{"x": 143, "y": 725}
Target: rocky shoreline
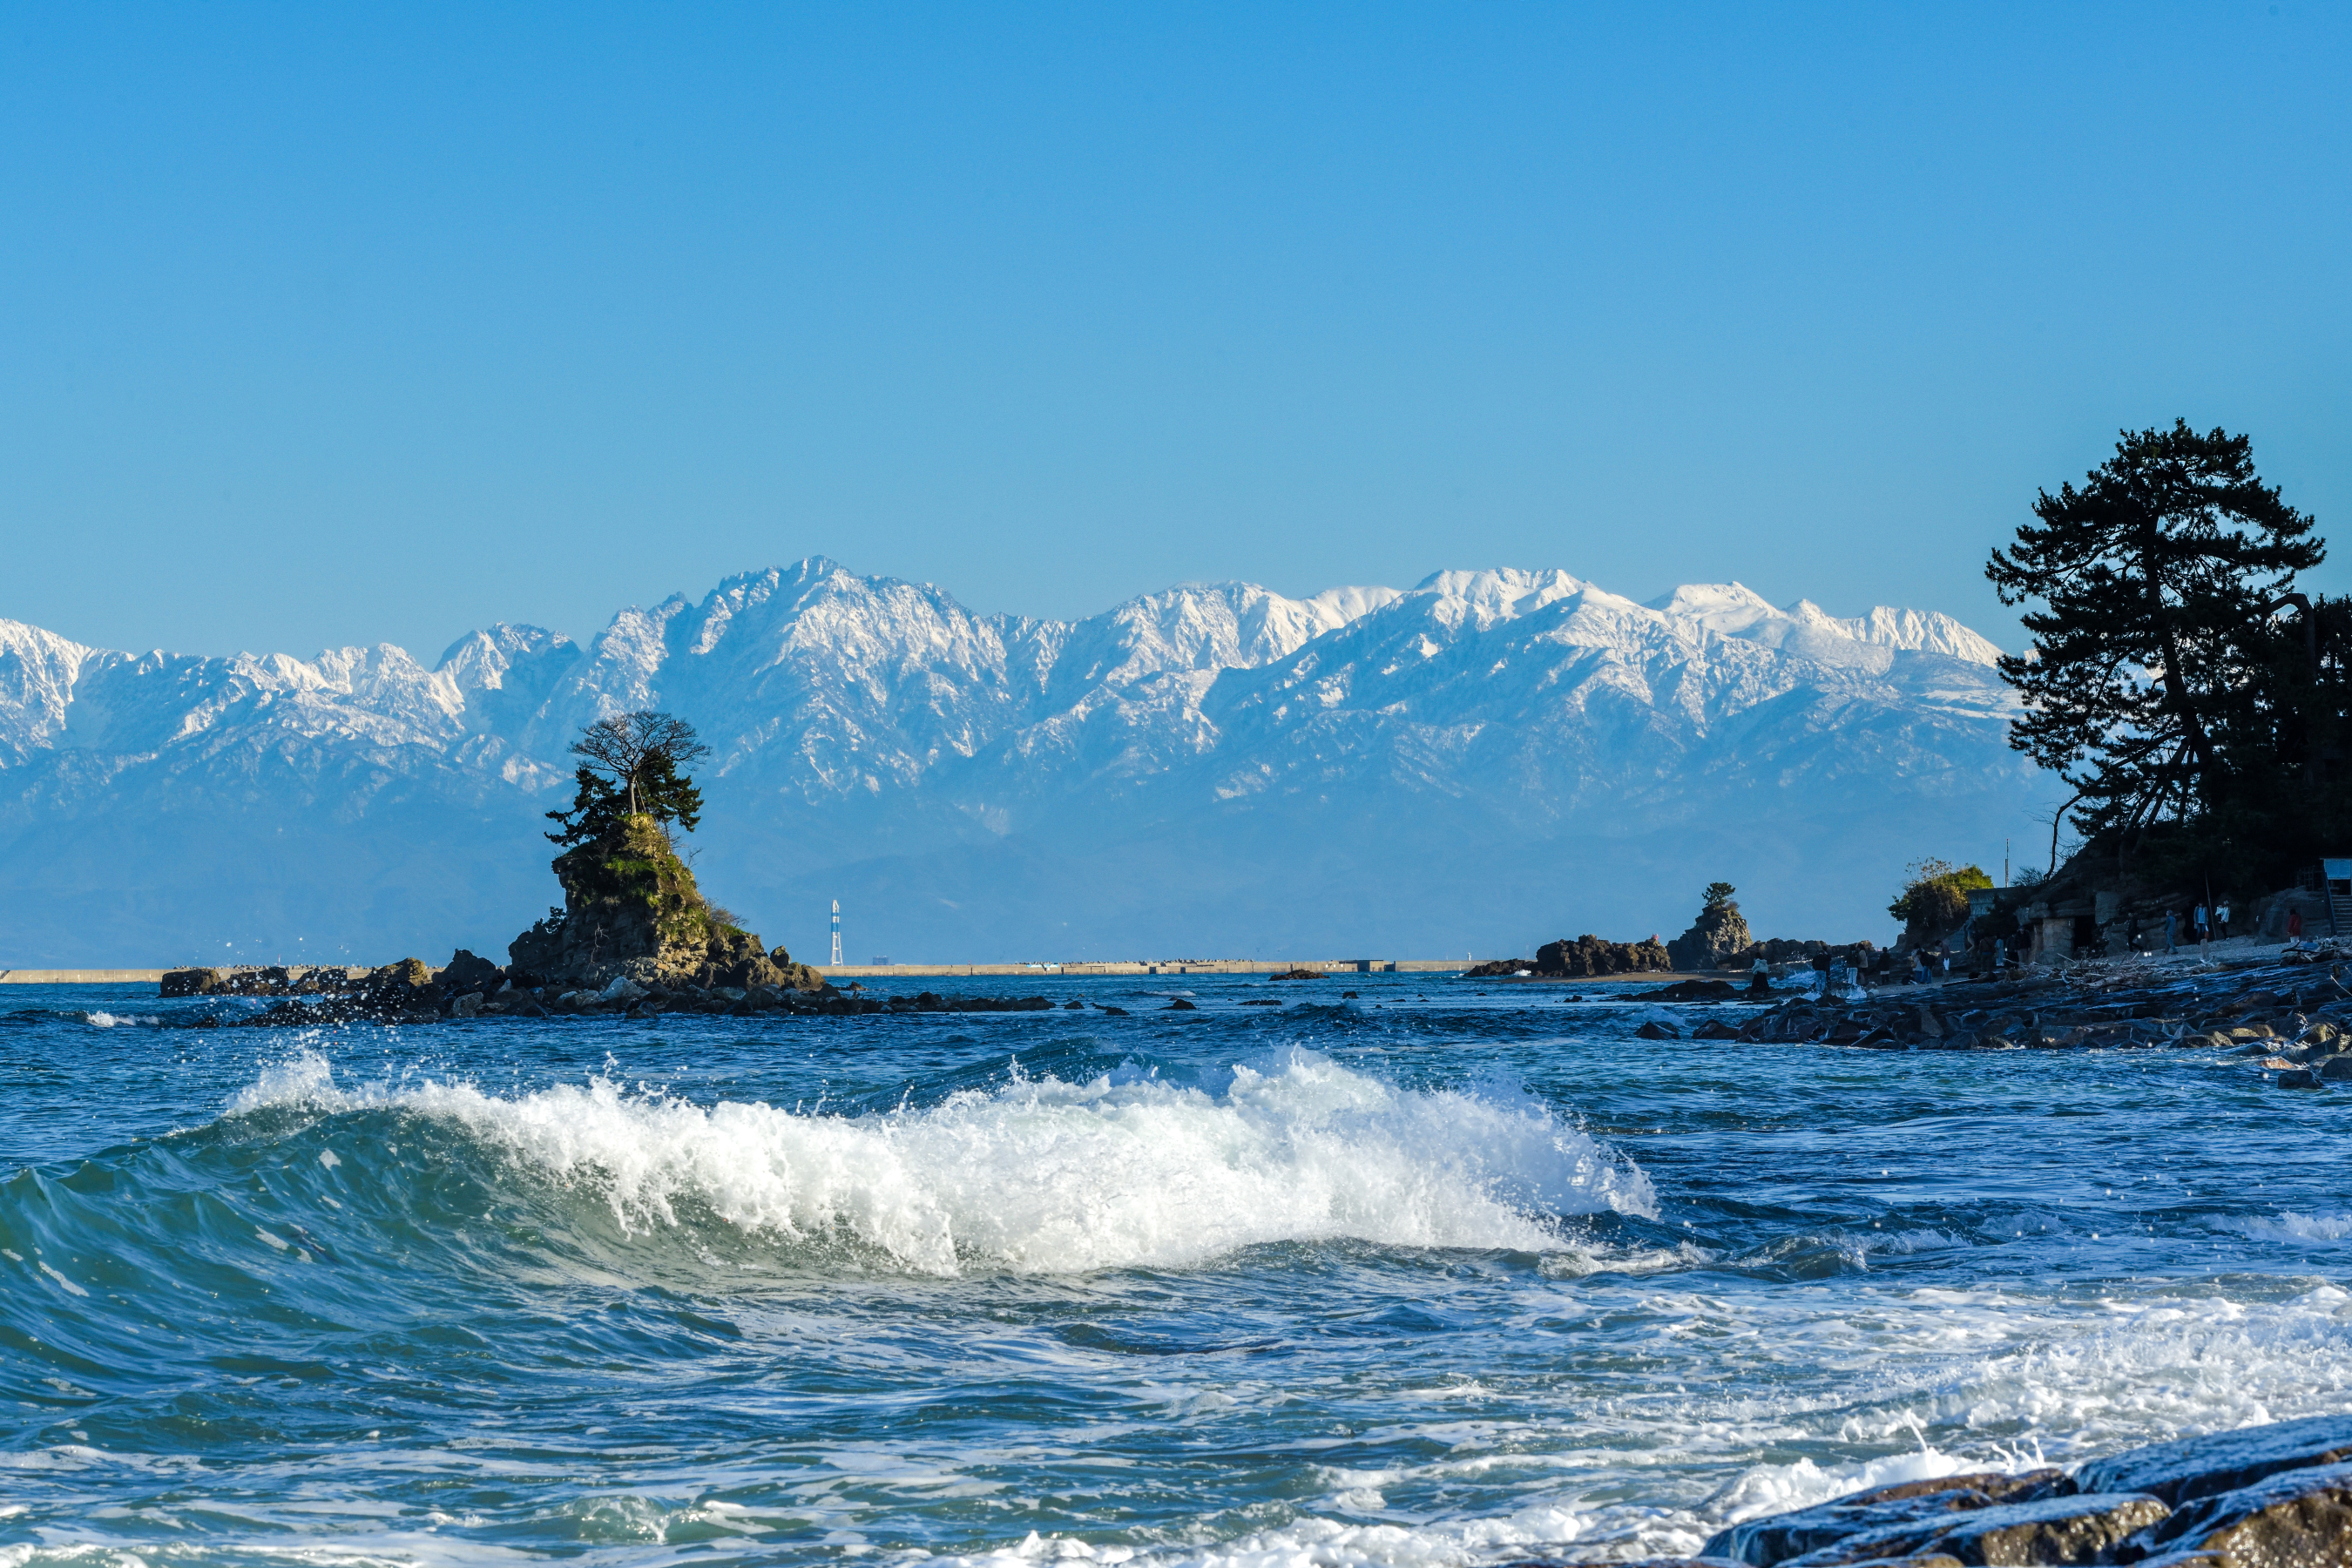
{"x": 2291, "y": 1016}
{"x": 412, "y": 992}
{"x": 2262, "y": 1497}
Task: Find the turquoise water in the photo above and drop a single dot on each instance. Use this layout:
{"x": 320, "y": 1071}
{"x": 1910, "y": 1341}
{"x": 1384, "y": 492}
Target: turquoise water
{"x": 1448, "y": 1274}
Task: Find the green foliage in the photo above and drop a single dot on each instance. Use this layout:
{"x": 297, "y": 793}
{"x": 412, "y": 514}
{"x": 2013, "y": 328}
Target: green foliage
{"x": 1934, "y": 896}
{"x": 631, "y": 766}
{"x": 1718, "y": 894}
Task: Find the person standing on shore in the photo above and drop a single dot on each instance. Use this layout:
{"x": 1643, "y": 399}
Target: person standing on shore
{"x": 2196, "y": 924}
{"x": 2221, "y": 919}
{"x": 2169, "y": 918}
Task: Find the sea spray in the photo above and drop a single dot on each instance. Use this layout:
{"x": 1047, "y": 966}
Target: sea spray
{"x": 461, "y": 1294}
{"x": 1039, "y": 1175}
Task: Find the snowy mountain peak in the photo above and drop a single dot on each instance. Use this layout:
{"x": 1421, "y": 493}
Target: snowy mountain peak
{"x": 1503, "y": 753}
{"x": 1480, "y": 599}
{"x": 1734, "y": 610}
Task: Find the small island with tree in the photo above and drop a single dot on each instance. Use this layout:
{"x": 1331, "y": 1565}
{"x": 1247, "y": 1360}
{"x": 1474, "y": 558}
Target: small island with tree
{"x": 634, "y": 934}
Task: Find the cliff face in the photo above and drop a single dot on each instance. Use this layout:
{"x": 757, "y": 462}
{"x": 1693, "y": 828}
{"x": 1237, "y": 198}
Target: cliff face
{"x": 1719, "y": 935}
{"x": 631, "y": 907}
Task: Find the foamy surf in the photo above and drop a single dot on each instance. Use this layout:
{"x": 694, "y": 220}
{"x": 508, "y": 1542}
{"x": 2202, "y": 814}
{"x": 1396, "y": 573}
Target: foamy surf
{"x": 1038, "y": 1175}
{"x": 1297, "y": 1314}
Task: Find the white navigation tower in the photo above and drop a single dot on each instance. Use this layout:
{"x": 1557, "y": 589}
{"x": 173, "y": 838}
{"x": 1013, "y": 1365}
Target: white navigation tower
{"x": 836, "y": 933}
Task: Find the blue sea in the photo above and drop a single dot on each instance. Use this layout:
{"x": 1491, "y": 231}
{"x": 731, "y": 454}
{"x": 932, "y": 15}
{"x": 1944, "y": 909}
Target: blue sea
{"x": 1447, "y": 1273}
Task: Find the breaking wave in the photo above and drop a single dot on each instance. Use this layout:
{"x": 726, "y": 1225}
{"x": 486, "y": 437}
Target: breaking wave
{"x": 1043, "y": 1177}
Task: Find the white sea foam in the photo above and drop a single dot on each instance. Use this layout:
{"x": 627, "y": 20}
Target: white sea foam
{"x": 2299, "y": 1227}
{"x": 1046, "y": 1176}
{"x": 119, "y": 1020}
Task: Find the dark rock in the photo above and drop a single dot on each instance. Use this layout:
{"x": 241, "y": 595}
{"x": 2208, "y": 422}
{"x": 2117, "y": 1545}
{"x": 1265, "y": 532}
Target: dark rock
{"x": 1589, "y": 954}
{"x": 2083, "y": 1527}
{"x": 467, "y": 1005}
{"x": 1636, "y": 1562}
{"x": 1074, "y": 1006}
{"x": 1695, "y": 991}
{"x": 1116, "y": 1012}
{"x": 1714, "y": 1030}
{"x": 1301, "y": 975}
{"x": 408, "y": 977}
{"x": 466, "y": 972}
{"x": 1927, "y": 1505}
{"x": 2193, "y": 1468}
{"x": 2291, "y": 1519}
{"x": 1178, "y": 1005}
{"x": 1654, "y": 1030}
{"x": 192, "y": 982}
{"x": 1996, "y": 1486}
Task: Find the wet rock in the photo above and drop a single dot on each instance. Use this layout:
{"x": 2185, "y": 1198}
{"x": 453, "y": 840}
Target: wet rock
{"x": 2291, "y": 1519}
{"x": 1178, "y": 1005}
{"x": 1923, "y": 1507}
{"x": 1074, "y": 1006}
{"x": 409, "y": 975}
{"x": 464, "y": 972}
{"x": 2334, "y": 1070}
{"x": 2079, "y": 1528}
{"x": 1695, "y": 991}
{"x": 2302, "y": 1078}
{"x": 1636, "y": 1562}
{"x": 1654, "y": 1030}
{"x": 193, "y": 982}
{"x": 2193, "y": 1468}
{"x": 1714, "y": 1030}
{"x": 467, "y": 1005}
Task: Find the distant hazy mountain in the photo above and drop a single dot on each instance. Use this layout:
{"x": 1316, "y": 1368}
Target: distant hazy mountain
{"x": 1480, "y": 764}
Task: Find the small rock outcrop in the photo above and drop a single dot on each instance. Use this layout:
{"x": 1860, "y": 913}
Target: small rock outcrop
{"x": 1587, "y": 955}
{"x": 631, "y": 908}
{"x": 1717, "y": 937}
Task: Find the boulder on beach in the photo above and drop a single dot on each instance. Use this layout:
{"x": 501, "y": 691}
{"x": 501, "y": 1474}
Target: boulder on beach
{"x": 467, "y": 972}
{"x": 193, "y": 982}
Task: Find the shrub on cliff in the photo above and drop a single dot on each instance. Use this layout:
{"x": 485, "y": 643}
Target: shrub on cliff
{"x": 1934, "y": 902}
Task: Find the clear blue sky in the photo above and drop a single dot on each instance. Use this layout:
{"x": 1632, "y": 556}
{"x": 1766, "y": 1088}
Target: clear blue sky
{"x": 339, "y": 324}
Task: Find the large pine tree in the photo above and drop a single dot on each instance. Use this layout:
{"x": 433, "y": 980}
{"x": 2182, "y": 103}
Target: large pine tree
{"x": 2157, "y": 579}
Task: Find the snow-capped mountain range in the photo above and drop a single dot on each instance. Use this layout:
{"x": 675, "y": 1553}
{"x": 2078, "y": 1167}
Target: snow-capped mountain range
{"x": 1475, "y": 765}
